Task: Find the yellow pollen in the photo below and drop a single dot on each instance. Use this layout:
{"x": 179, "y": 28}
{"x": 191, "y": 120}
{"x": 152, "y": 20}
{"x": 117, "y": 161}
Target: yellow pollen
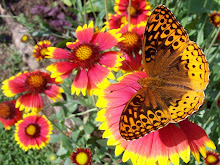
{"x": 84, "y": 52}
{"x": 211, "y": 159}
{"x": 130, "y": 38}
{"x": 4, "y": 111}
{"x": 123, "y": 19}
{"x": 36, "y": 80}
{"x": 43, "y": 51}
{"x": 132, "y": 11}
{"x": 31, "y": 130}
{"x": 81, "y": 158}
{"x": 216, "y": 19}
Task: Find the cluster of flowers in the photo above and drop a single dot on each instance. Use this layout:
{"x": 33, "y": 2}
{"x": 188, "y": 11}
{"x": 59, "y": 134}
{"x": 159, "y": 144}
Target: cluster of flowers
{"x": 93, "y": 61}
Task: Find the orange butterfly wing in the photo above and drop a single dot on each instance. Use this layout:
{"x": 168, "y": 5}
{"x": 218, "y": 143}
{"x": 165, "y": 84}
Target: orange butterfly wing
{"x": 171, "y": 58}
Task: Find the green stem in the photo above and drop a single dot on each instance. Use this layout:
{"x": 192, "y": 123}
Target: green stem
{"x": 83, "y": 113}
{"x": 8, "y": 16}
{"x": 57, "y": 35}
{"x": 155, "y": 3}
{"x": 204, "y": 5}
{"x": 167, "y": 3}
{"x": 94, "y": 100}
{"x": 162, "y": 2}
{"x": 213, "y": 40}
{"x": 90, "y": 1}
{"x": 3, "y": 4}
{"x": 85, "y": 19}
{"x": 213, "y": 57}
{"x": 59, "y": 129}
{"x": 106, "y": 10}
{"x": 215, "y": 101}
{"x": 186, "y": 20}
{"x": 176, "y": 6}
{"x": 129, "y": 14}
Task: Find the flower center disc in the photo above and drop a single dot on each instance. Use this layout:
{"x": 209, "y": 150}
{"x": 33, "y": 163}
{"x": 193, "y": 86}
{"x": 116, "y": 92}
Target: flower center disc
{"x": 81, "y": 158}
{"x": 216, "y": 19}
{"x": 84, "y": 52}
{"x": 36, "y": 82}
{"x": 4, "y": 111}
{"x": 31, "y": 130}
{"x": 211, "y": 159}
{"x": 43, "y": 51}
{"x": 132, "y": 11}
{"x": 131, "y": 39}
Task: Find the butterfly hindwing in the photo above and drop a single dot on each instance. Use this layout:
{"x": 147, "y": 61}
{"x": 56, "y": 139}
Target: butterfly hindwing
{"x": 142, "y": 115}
{"x": 189, "y": 78}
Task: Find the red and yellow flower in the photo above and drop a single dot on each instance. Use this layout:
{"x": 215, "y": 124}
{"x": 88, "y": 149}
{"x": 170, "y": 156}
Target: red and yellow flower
{"x": 115, "y": 21}
{"x": 158, "y": 147}
{"x": 25, "y": 38}
{"x": 39, "y": 52}
{"x": 33, "y": 132}
{"x": 32, "y": 84}
{"x": 88, "y": 56}
{"x": 139, "y": 11}
{"x": 212, "y": 158}
{"x": 9, "y": 115}
{"x": 130, "y": 47}
{"x": 215, "y": 18}
{"x": 82, "y": 156}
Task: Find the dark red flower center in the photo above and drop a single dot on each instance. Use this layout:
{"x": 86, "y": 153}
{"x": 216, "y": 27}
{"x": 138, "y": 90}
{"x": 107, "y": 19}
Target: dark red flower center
{"x": 36, "y": 83}
{"x": 33, "y": 130}
{"x": 7, "y": 110}
{"x": 135, "y": 11}
{"x": 131, "y": 43}
{"x": 86, "y": 55}
{"x": 215, "y": 18}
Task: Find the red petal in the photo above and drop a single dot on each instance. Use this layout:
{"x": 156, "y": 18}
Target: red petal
{"x": 81, "y": 79}
{"x": 108, "y": 59}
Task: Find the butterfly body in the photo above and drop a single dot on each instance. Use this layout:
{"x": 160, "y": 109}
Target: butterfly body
{"x": 177, "y": 73}
{"x": 151, "y": 82}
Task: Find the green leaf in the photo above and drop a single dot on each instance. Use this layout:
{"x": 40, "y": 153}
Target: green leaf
{"x": 55, "y": 138}
{"x": 200, "y": 37}
{"x": 77, "y": 120}
{"x": 67, "y": 161}
{"x": 102, "y": 142}
{"x": 89, "y": 128}
{"x": 61, "y": 151}
{"x": 62, "y": 44}
{"x": 73, "y": 10}
{"x": 68, "y": 2}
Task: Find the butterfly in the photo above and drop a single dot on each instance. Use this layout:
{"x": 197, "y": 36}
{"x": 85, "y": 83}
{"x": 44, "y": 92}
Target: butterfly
{"x": 177, "y": 73}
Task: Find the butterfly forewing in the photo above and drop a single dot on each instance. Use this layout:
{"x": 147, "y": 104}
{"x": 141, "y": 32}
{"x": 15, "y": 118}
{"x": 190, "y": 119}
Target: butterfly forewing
{"x": 164, "y": 40}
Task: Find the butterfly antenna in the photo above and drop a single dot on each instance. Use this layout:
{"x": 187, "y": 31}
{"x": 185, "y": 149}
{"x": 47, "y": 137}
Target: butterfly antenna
{"x": 129, "y": 67}
{"x": 130, "y": 85}
{"x": 127, "y": 64}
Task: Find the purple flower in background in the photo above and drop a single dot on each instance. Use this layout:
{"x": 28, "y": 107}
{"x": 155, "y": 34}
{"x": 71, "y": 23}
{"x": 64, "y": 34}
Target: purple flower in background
{"x": 37, "y": 9}
{"x": 54, "y": 11}
{"x": 55, "y": 16}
